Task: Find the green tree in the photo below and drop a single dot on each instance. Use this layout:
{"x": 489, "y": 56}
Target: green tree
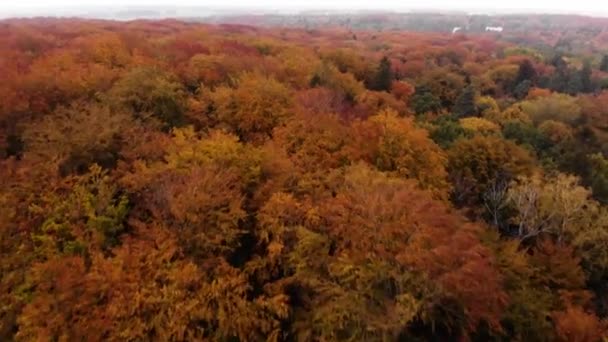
{"x": 526, "y": 72}
{"x": 522, "y": 89}
{"x": 424, "y": 101}
{"x": 446, "y": 130}
{"x": 604, "y": 64}
{"x": 151, "y": 93}
{"x": 384, "y": 75}
{"x": 599, "y": 177}
{"x": 585, "y": 76}
{"x": 465, "y": 103}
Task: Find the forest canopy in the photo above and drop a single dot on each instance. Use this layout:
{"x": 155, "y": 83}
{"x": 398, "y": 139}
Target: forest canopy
{"x": 171, "y": 181}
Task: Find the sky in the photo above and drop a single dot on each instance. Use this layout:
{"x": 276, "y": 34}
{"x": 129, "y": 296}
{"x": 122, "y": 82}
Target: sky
{"x": 589, "y": 7}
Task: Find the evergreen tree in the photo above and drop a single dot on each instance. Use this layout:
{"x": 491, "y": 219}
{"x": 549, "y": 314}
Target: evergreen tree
{"x": 585, "y": 75}
{"x": 563, "y": 79}
{"x": 559, "y": 63}
{"x": 424, "y": 101}
{"x": 527, "y": 72}
{"x": 522, "y": 89}
{"x": 465, "y": 103}
{"x": 384, "y": 76}
{"x": 604, "y": 64}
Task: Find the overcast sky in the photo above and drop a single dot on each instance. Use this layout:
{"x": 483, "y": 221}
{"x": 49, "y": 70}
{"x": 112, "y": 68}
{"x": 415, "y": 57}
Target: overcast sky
{"x": 591, "y": 7}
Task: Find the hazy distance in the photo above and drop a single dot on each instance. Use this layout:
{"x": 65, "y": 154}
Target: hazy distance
{"x": 128, "y": 9}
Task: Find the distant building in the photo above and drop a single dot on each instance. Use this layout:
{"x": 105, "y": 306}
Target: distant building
{"x": 456, "y": 29}
{"x": 494, "y": 28}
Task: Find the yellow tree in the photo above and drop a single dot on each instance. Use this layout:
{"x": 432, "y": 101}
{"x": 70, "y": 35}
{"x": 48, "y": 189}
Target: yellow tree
{"x": 77, "y": 136}
{"x": 477, "y": 163}
{"x": 396, "y": 145}
{"x": 254, "y": 107}
{"x": 554, "y": 207}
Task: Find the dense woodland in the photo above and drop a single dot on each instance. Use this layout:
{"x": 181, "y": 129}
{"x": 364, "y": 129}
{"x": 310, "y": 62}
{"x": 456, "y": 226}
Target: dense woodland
{"x": 172, "y": 181}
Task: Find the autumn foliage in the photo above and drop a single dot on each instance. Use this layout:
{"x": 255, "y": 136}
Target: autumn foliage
{"x": 172, "y": 181}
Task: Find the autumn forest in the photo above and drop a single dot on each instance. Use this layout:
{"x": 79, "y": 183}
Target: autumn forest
{"x": 180, "y": 181}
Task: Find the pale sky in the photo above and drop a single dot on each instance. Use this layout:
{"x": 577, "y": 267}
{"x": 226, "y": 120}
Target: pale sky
{"x": 590, "y": 7}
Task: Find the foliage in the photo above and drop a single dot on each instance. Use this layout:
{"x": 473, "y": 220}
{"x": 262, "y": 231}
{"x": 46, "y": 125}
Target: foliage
{"x": 599, "y": 177}
{"x": 557, "y": 107}
{"x": 465, "y": 103}
{"x": 479, "y": 125}
{"x": 556, "y": 207}
{"x": 151, "y": 91}
{"x": 384, "y": 76}
{"x": 91, "y": 218}
{"x": 397, "y": 146}
{"x": 253, "y": 108}
{"x": 604, "y": 64}
{"x": 424, "y": 101}
{"x": 446, "y": 130}
{"x": 344, "y": 289}
{"x": 173, "y": 181}
{"x": 78, "y": 136}
{"x": 475, "y": 163}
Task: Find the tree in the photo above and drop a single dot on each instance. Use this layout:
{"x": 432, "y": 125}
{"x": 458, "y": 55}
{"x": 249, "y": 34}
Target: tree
{"x": 254, "y": 107}
{"x": 559, "y": 107}
{"x": 172, "y": 181}
{"x": 554, "y": 207}
{"x": 488, "y": 107}
{"x": 402, "y": 90}
{"x": 577, "y": 324}
{"x": 528, "y": 136}
{"x": 58, "y": 78}
{"x": 444, "y": 84}
{"x": 526, "y": 72}
{"x": 424, "y": 101}
{"x": 480, "y": 126}
{"x": 446, "y": 130}
{"x": 371, "y": 102}
{"x": 475, "y": 164}
{"x": 599, "y": 177}
{"x": 107, "y": 48}
{"x": 149, "y": 92}
{"x": 149, "y": 291}
{"x": 504, "y": 77}
{"x": 525, "y": 317}
{"x": 395, "y": 145}
{"x": 384, "y": 76}
{"x": 522, "y": 89}
{"x": 316, "y": 146}
{"x": 604, "y": 64}
{"x": 89, "y": 219}
{"x": 465, "y": 103}
{"x": 585, "y": 76}
{"x": 78, "y": 136}
{"x": 329, "y": 76}
{"x": 512, "y": 114}
{"x": 341, "y": 291}
{"x": 205, "y": 69}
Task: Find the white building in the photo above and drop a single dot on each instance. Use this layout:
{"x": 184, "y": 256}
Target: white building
{"x": 494, "y": 28}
